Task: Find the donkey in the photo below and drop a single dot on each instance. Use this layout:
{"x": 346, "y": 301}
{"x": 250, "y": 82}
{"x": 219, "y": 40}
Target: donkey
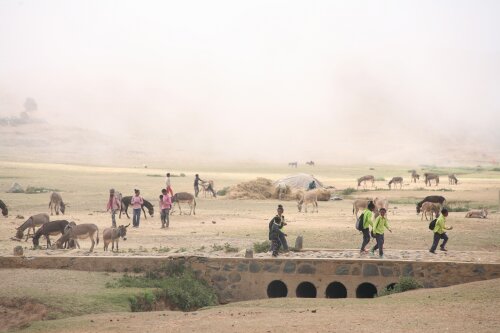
{"x": 311, "y": 163}
{"x": 359, "y": 204}
{"x": 49, "y": 229}
{"x": 293, "y": 164}
{"x": 365, "y": 179}
{"x": 395, "y": 181}
{"x": 79, "y": 231}
{"x": 478, "y": 214}
{"x": 431, "y": 176}
{"x": 309, "y": 197}
{"x": 56, "y": 203}
{"x": 208, "y": 187}
{"x": 281, "y": 190}
{"x": 414, "y": 176}
{"x": 3, "y": 207}
{"x": 31, "y": 223}
{"x": 184, "y": 197}
{"x": 113, "y": 235}
{"x": 452, "y": 179}
{"x": 431, "y": 198}
{"x": 430, "y": 207}
{"x": 126, "y": 202}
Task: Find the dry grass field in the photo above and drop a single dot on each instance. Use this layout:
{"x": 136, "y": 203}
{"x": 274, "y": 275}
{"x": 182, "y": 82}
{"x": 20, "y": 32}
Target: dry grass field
{"x": 222, "y": 223}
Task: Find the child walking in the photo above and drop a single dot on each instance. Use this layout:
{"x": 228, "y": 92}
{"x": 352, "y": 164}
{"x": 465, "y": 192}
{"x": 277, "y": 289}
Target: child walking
{"x": 378, "y": 232}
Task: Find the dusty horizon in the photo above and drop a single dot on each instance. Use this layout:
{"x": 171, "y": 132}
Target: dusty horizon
{"x": 272, "y": 82}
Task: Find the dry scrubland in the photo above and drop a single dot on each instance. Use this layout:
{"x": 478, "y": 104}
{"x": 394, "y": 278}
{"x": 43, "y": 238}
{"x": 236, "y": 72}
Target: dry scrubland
{"x": 239, "y": 224}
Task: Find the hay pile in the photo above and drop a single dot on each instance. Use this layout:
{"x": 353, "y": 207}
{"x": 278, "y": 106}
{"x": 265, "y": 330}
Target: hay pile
{"x": 259, "y": 189}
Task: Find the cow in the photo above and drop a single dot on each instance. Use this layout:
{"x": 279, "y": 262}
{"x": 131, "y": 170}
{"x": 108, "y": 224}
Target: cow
{"x": 113, "y": 235}
{"x": 430, "y": 207}
{"x": 478, "y": 214}
{"x": 56, "y": 204}
{"x": 3, "y": 207}
{"x": 126, "y": 202}
{"x": 395, "y": 181}
{"x": 432, "y": 198}
{"x": 79, "y": 231}
{"x": 452, "y": 179}
{"x": 184, "y": 197}
{"x": 365, "y": 179}
{"x": 359, "y": 204}
{"x": 49, "y": 229}
{"x": 309, "y": 197}
{"x": 431, "y": 176}
{"x": 34, "y": 221}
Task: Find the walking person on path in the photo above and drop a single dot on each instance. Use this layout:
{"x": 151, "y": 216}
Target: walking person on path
{"x": 440, "y": 232}
{"x": 114, "y": 205}
{"x": 276, "y": 235}
{"x": 137, "y": 201}
{"x": 378, "y": 232}
{"x": 165, "y": 206}
{"x": 367, "y": 223}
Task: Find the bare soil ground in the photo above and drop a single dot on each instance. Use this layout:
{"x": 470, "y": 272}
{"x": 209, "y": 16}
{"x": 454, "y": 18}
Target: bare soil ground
{"x": 463, "y": 308}
{"x": 241, "y": 223}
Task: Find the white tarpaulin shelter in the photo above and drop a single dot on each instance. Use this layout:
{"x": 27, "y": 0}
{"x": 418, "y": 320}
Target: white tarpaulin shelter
{"x": 299, "y": 181}
{"x": 16, "y": 188}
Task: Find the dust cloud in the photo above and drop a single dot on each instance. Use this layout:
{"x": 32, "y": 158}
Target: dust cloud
{"x": 395, "y": 82}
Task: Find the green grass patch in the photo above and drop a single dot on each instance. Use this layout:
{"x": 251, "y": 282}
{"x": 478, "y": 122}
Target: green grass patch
{"x": 405, "y": 283}
{"x": 348, "y": 191}
{"x": 380, "y": 179}
{"x": 35, "y": 190}
{"x": 223, "y": 192}
{"x": 261, "y": 247}
{"x": 495, "y": 169}
{"x": 174, "y": 285}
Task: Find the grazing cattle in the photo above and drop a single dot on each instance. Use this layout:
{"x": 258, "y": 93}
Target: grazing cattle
{"x": 56, "y": 203}
{"x": 34, "y": 221}
{"x": 431, "y": 176}
{"x": 4, "y": 209}
{"x": 49, "y": 229}
{"x": 430, "y": 207}
{"x": 478, "y": 214}
{"x": 113, "y": 235}
{"x": 414, "y": 176}
{"x": 380, "y": 203}
{"x": 395, "y": 181}
{"x": 364, "y": 179}
{"x": 432, "y": 198}
{"x": 208, "y": 187}
{"x": 184, "y": 197}
{"x": 79, "y": 231}
{"x": 452, "y": 179}
{"x": 359, "y": 204}
{"x": 311, "y": 163}
{"x": 126, "y": 202}
{"x": 293, "y": 164}
{"x": 309, "y": 197}
{"x": 281, "y": 189}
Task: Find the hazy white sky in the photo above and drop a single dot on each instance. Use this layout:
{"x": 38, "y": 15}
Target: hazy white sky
{"x": 308, "y": 79}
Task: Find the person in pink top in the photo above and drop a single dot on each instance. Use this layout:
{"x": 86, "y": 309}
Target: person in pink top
{"x": 136, "y": 203}
{"x": 165, "y": 205}
{"x": 114, "y": 205}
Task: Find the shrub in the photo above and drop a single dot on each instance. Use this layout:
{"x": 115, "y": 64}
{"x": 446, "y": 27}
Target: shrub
{"x": 228, "y": 248}
{"x": 34, "y": 190}
{"x": 223, "y": 192}
{"x": 216, "y": 247}
{"x": 380, "y": 179}
{"x": 348, "y": 191}
{"x": 495, "y": 169}
{"x": 261, "y": 247}
{"x": 405, "y": 283}
{"x": 458, "y": 209}
{"x": 143, "y": 302}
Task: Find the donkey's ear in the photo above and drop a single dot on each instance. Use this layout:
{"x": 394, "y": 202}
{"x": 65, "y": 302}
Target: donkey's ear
{"x": 127, "y": 225}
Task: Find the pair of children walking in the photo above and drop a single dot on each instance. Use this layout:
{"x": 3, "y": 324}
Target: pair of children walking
{"x": 378, "y": 227}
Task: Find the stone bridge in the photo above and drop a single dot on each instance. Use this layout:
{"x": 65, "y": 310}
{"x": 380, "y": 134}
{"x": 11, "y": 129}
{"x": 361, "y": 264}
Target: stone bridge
{"x": 238, "y": 279}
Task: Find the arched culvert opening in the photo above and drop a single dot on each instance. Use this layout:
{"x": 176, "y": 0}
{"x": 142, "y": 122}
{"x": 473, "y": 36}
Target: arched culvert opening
{"x": 366, "y": 290}
{"x": 276, "y": 289}
{"x": 306, "y": 290}
{"x": 336, "y": 290}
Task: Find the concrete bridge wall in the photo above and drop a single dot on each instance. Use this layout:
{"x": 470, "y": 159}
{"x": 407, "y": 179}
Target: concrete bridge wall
{"x": 237, "y": 279}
